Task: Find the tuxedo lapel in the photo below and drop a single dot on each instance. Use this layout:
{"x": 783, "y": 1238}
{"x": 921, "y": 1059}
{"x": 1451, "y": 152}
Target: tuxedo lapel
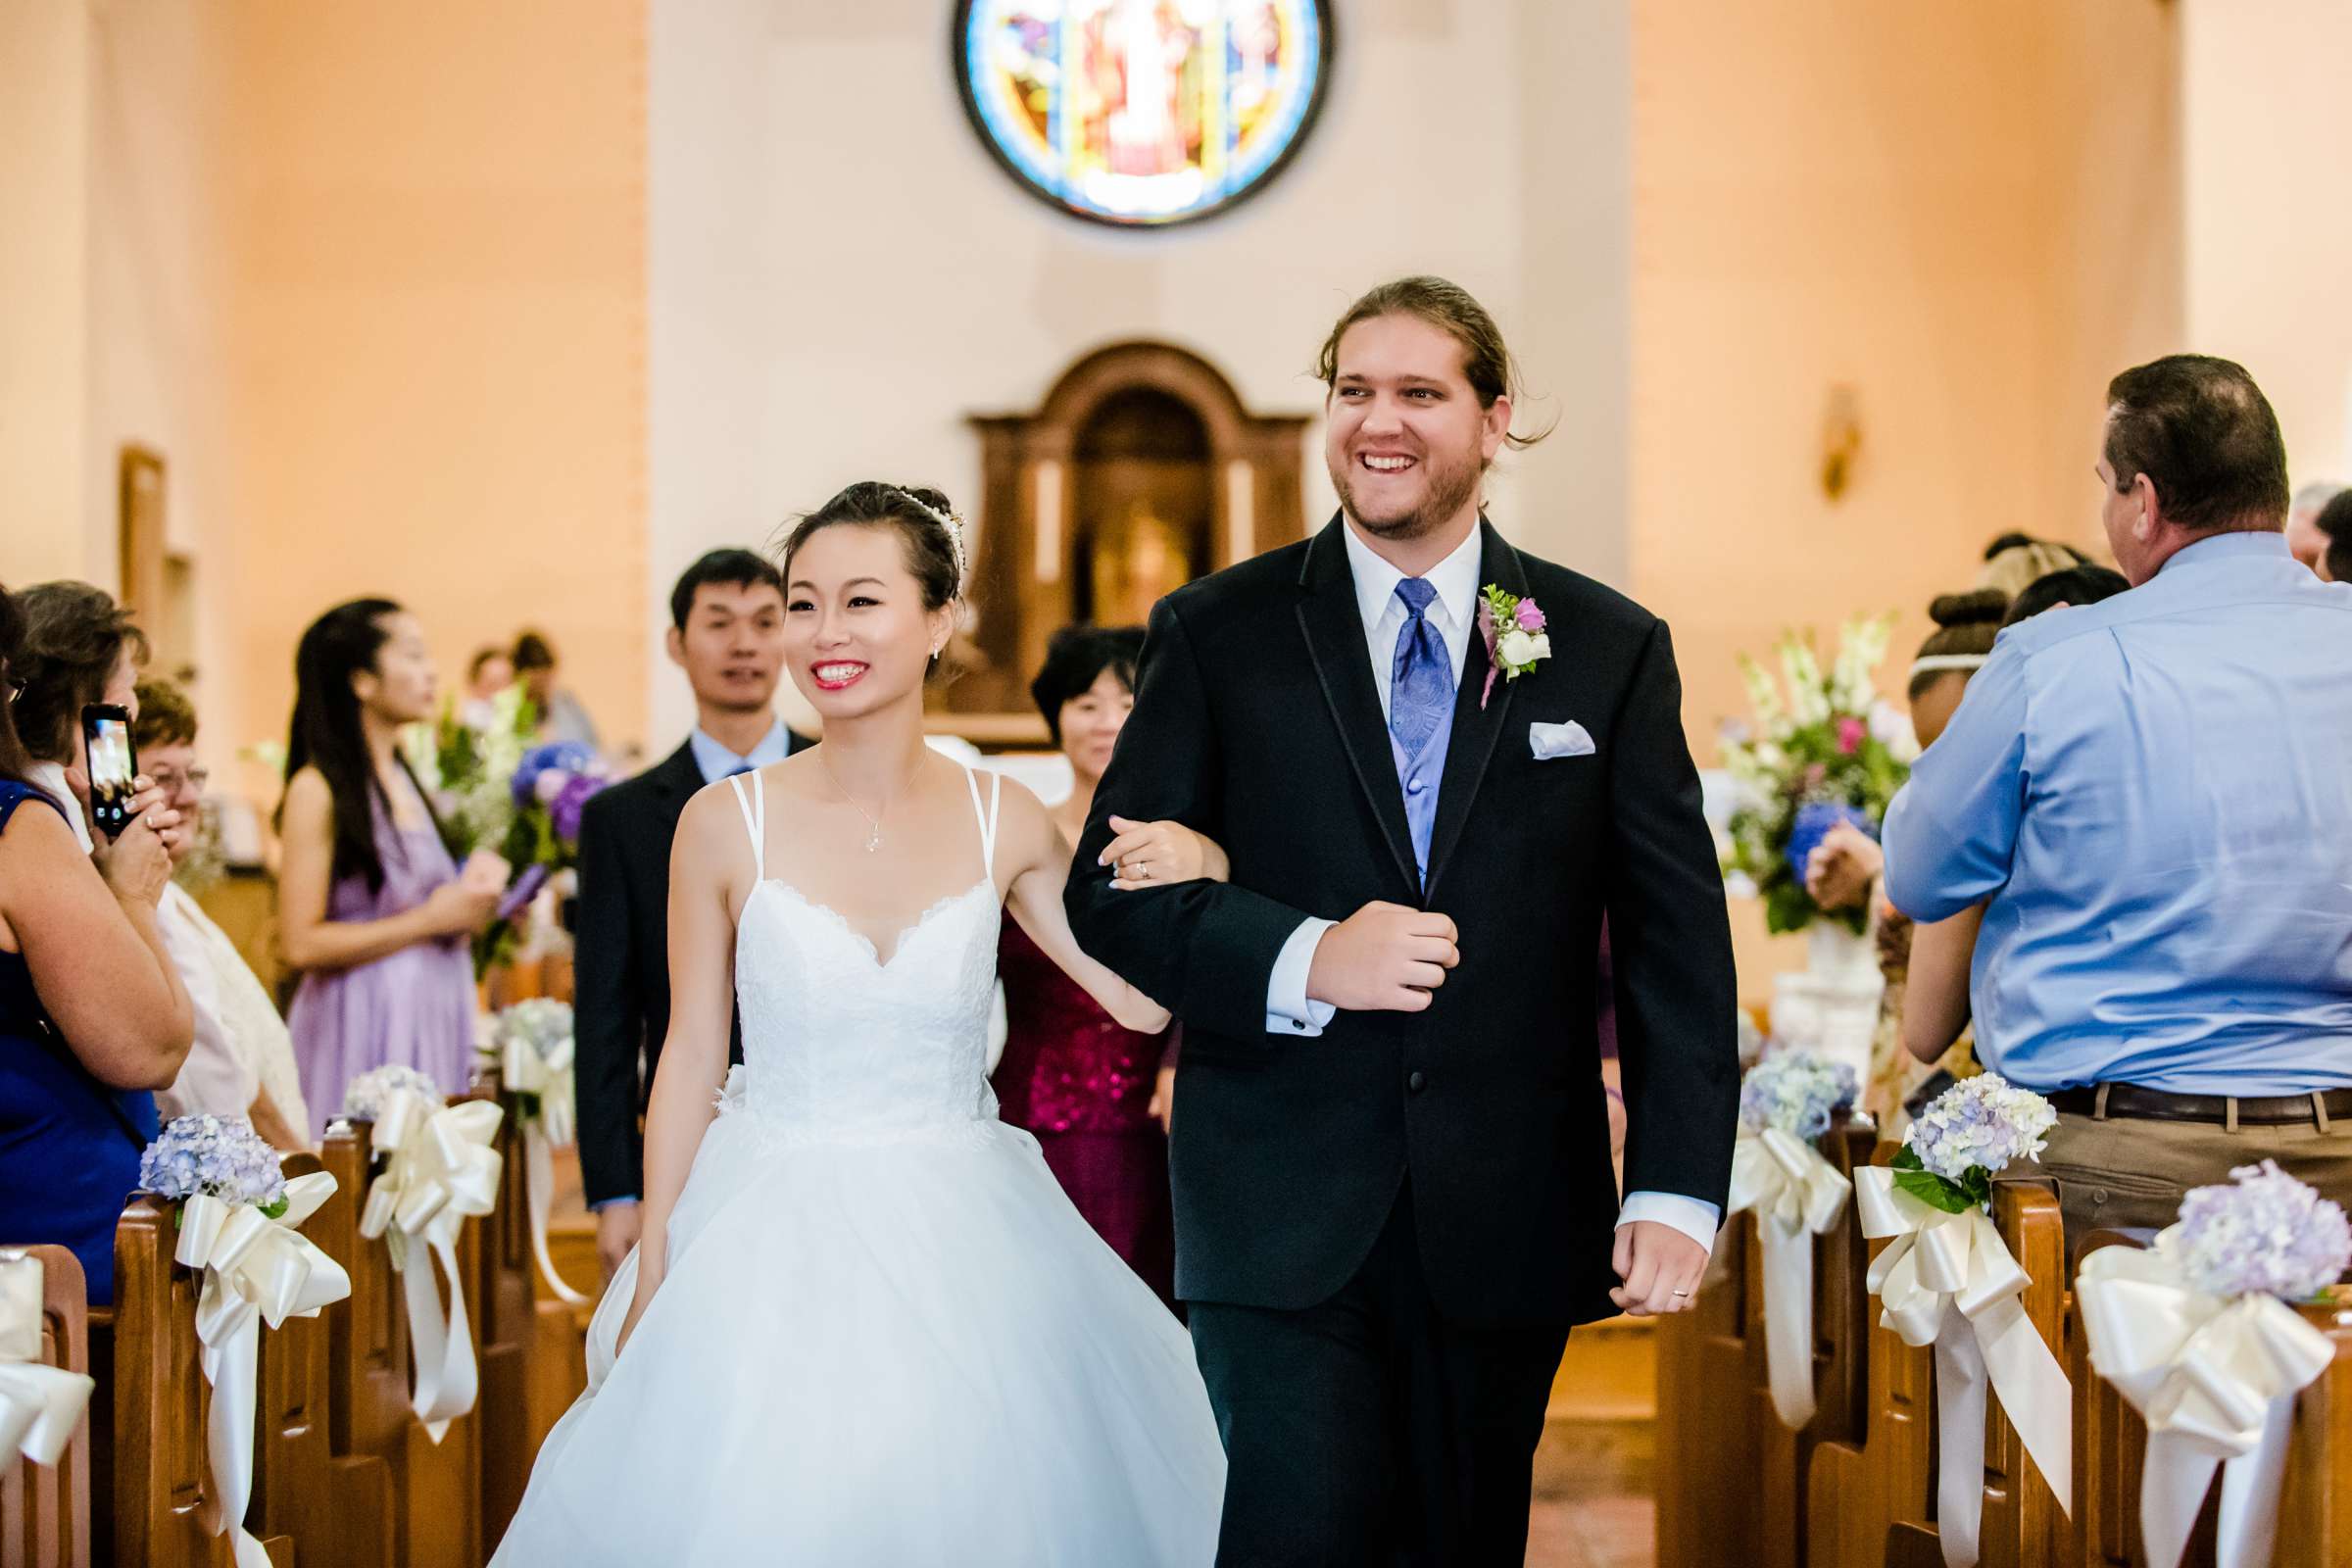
{"x": 1476, "y": 729}
{"x": 1334, "y": 628}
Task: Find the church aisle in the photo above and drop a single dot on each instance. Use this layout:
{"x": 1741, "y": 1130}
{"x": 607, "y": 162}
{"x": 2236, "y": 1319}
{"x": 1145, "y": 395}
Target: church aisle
{"x": 1592, "y": 1506}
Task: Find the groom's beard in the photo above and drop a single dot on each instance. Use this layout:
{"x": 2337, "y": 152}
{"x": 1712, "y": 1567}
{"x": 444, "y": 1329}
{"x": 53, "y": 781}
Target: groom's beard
{"x": 1451, "y": 483}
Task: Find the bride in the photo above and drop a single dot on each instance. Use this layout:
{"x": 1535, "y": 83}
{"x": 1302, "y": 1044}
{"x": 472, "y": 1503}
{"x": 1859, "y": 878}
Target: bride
{"x": 863, "y": 1325}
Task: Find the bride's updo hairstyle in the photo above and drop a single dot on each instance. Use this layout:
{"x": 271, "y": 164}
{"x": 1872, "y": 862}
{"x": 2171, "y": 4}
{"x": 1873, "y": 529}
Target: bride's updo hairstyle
{"x": 930, "y": 531}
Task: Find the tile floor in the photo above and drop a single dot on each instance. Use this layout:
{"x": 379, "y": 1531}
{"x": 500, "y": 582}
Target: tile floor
{"x": 1592, "y": 1497}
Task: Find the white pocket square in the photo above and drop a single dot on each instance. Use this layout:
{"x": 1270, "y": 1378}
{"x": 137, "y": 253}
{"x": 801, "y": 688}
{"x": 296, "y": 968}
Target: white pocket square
{"x": 1547, "y": 741}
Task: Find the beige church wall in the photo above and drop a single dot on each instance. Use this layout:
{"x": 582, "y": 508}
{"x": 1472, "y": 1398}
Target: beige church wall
{"x": 438, "y": 388}
{"x": 2269, "y": 210}
{"x": 44, "y": 181}
{"x": 160, "y": 345}
{"x": 1967, "y": 215}
{"x": 370, "y": 278}
{"x": 841, "y": 275}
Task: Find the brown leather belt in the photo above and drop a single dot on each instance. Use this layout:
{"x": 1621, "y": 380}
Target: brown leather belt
{"x": 2154, "y": 1105}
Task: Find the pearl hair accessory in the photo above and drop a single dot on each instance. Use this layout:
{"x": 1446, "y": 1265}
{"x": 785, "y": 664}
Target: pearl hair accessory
{"x": 953, "y": 521}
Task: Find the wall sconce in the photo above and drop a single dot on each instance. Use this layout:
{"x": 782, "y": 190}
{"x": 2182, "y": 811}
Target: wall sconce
{"x": 1841, "y": 440}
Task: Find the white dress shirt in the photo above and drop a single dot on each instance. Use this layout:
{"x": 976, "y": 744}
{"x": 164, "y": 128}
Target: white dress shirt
{"x": 240, "y": 1018}
{"x": 717, "y": 761}
{"x": 214, "y": 1078}
{"x": 1453, "y": 613}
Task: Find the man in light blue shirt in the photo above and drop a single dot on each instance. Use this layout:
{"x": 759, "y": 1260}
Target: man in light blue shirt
{"x": 727, "y": 635}
{"x": 2154, "y": 792}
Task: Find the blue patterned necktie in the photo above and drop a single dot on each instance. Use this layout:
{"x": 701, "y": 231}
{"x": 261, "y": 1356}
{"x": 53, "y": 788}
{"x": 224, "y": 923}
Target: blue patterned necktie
{"x": 1420, "y": 715}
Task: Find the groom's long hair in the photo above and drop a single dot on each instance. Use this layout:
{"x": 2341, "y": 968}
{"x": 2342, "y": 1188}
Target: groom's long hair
{"x": 1487, "y": 360}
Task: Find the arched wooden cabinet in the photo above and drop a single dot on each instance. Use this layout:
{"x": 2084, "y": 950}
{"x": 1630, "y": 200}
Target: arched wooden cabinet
{"x": 1140, "y": 471}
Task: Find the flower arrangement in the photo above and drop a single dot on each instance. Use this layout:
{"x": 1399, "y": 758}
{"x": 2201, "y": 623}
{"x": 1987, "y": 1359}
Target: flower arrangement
{"x": 2262, "y": 1231}
{"x": 550, "y": 786}
{"x": 367, "y": 1095}
{"x": 1968, "y": 1135}
{"x": 1831, "y": 751}
{"x": 213, "y": 1156}
{"x": 543, "y": 1026}
{"x": 465, "y": 761}
{"x": 1797, "y": 1091}
{"x": 547, "y": 791}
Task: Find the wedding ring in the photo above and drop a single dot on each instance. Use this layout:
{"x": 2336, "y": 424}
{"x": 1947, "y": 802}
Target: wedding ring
{"x": 1142, "y": 870}
{"x": 1682, "y": 1292}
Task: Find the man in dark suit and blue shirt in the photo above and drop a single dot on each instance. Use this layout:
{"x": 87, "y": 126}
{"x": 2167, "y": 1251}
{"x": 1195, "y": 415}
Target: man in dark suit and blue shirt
{"x": 1390, "y": 1160}
{"x": 727, "y": 634}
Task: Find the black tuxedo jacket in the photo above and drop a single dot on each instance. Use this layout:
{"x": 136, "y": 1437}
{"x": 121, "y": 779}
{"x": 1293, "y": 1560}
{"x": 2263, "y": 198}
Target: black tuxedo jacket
{"x": 622, "y": 965}
{"x": 1257, "y": 721}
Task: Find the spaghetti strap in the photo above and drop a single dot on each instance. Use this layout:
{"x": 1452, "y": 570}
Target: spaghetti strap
{"x": 986, "y": 815}
{"x": 755, "y": 825}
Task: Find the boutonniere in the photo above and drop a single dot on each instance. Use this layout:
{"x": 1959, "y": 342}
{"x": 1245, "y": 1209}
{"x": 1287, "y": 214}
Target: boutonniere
{"x": 1513, "y": 631}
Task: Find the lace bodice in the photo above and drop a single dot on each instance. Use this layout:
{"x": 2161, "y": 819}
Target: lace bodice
{"x": 840, "y": 1045}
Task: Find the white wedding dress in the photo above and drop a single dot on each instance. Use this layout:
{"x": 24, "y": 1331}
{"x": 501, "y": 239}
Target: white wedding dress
{"x": 885, "y": 1336}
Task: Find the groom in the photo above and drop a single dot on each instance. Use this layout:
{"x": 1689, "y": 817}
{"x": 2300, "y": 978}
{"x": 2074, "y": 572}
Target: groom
{"x": 1392, "y": 1181}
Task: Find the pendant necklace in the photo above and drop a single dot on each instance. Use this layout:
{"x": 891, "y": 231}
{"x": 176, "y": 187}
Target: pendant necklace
{"x": 873, "y": 820}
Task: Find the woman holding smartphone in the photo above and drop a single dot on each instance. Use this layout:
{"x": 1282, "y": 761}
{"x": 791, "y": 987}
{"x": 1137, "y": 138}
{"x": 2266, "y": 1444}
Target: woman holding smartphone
{"x": 372, "y": 908}
{"x": 92, "y": 1017}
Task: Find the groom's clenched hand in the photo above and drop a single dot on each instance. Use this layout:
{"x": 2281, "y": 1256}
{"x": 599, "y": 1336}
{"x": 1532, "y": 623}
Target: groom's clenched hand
{"x": 1385, "y": 957}
{"x": 1660, "y": 1268}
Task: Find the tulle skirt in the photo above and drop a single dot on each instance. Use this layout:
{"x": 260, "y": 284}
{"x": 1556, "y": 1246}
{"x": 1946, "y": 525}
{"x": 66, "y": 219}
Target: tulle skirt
{"x": 909, "y": 1352}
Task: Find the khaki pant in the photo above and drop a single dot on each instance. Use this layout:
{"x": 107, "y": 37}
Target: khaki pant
{"x": 2129, "y": 1171}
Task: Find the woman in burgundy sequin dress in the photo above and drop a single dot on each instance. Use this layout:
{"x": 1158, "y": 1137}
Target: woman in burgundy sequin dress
{"x": 1096, "y": 1096}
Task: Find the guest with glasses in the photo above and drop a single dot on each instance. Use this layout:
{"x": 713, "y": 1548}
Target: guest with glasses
{"x": 242, "y": 1061}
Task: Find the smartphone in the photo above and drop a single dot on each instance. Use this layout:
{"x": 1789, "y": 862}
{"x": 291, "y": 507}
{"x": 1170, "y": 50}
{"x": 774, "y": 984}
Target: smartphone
{"x": 106, "y": 733}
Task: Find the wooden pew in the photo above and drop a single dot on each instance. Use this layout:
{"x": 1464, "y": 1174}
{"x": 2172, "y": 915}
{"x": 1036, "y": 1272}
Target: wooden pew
{"x": 45, "y": 1509}
{"x": 434, "y": 1489}
{"x": 1870, "y": 1503}
{"x": 1708, "y": 1428}
{"x": 1726, "y": 1495}
{"x": 149, "y": 1415}
{"x": 533, "y": 1345}
{"x": 1841, "y": 1312}
{"x": 2110, "y": 1446}
{"x": 336, "y": 1508}
{"x": 2315, "y": 1509}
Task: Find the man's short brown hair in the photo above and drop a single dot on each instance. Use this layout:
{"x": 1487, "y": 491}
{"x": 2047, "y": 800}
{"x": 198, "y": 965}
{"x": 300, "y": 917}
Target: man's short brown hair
{"x": 1487, "y": 361}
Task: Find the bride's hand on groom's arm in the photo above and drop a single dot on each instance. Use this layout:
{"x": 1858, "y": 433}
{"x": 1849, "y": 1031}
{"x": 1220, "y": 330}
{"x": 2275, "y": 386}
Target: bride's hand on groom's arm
{"x": 1155, "y": 854}
{"x": 1659, "y": 1266}
{"x": 1033, "y": 851}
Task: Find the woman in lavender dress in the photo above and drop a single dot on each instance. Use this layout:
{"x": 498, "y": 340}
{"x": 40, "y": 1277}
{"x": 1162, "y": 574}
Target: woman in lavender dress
{"x": 1096, "y": 1096}
{"x": 372, "y": 908}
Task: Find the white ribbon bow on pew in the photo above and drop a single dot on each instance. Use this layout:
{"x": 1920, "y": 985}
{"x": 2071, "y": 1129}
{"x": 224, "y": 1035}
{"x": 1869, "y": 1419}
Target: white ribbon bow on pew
{"x": 525, "y": 1071}
{"x": 2216, "y": 1377}
{"x": 442, "y": 1171}
{"x": 1796, "y": 1195}
{"x": 255, "y": 1270}
{"x": 40, "y": 1405}
{"x": 1948, "y": 1279}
